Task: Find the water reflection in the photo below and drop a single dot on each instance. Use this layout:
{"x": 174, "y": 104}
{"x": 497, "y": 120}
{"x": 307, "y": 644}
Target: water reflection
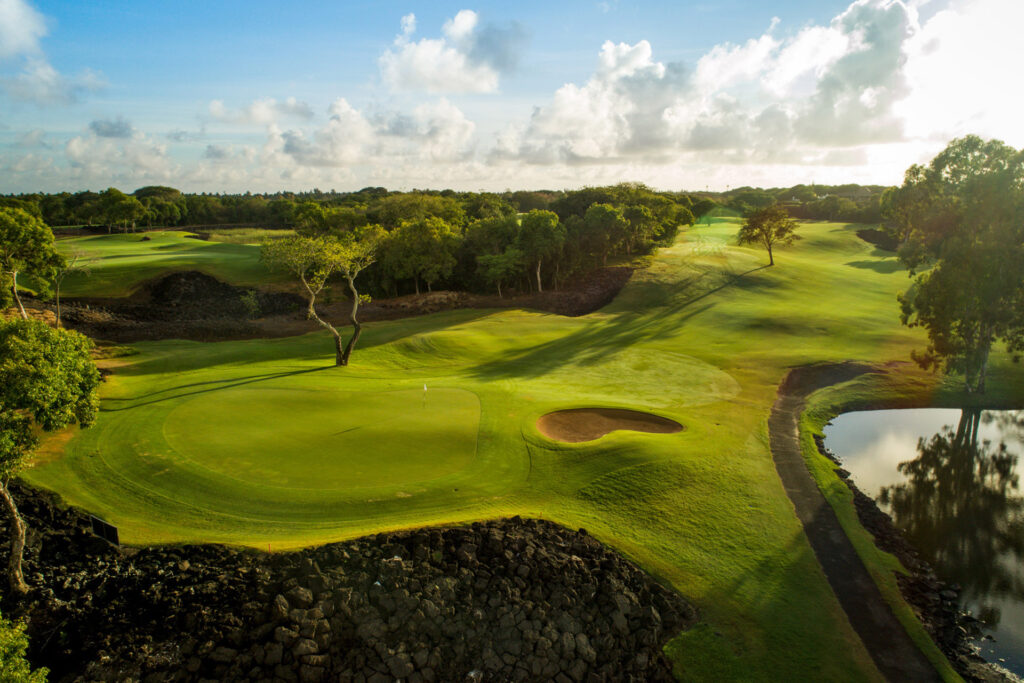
{"x": 950, "y": 481}
{"x": 961, "y": 506}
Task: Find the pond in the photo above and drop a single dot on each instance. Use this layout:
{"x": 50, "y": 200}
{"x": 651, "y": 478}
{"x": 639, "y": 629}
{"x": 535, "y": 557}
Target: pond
{"x": 949, "y": 480}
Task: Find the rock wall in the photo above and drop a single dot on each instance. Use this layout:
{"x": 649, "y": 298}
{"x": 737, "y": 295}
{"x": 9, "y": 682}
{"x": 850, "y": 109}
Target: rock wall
{"x": 508, "y": 600}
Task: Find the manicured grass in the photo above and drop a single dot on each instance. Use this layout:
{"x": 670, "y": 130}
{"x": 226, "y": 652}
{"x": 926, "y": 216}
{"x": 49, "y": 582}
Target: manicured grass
{"x": 119, "y": 263}
{"x": 264, "y": 442}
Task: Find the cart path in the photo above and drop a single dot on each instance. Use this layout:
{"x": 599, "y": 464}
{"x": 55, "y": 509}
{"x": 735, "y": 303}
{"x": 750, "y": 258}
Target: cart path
{"x": 892, "y": 650}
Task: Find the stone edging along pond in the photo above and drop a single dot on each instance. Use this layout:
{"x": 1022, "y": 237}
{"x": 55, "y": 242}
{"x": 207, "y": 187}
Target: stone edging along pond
{"x": 931, "y": 600}
{"x": 507, "y": 600}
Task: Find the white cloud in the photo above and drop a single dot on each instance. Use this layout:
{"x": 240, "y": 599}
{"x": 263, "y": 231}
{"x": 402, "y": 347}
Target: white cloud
{"x": 262, "y": 111}
{"x": 467, "y": 58}
{"x": 41, "y": 84}
{"x": 21, "y": 28}
{"x": 961, "y": 69}
{"x": 128, "y": 161}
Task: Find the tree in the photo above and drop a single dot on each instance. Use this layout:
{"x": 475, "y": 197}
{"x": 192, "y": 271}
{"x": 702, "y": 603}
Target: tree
{"x": 642, "y": 226}
{"x": 498, "y": 268}
{"x": 605, "y": 229}
{"x": 26, "y": 246}
{"x": 13, "y": 644}
{"x": 770, "y": 226}
{"x": 47, "y": 382}
{"x": 962, "y": 218}
{"x": 75, "y": 262}
{"x": 540, "y": 236}
{"x": 423, "y": 249}
{"x": 117, "y": 207}
{"x": 313, "y": 260}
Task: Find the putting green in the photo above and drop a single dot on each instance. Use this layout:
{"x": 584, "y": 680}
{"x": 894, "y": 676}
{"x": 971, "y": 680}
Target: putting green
{"x": 323, "y": 439}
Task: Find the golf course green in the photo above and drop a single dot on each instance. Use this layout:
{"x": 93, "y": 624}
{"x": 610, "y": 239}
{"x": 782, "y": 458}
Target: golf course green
{"x": 267, "y": 443}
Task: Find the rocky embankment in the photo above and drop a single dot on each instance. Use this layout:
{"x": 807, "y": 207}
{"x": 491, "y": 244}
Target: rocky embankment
{"x": 509, "y": 600}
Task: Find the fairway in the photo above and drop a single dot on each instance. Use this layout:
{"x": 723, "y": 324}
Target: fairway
{"x": 266, "y": 442}
{"x": 115, "y": 265}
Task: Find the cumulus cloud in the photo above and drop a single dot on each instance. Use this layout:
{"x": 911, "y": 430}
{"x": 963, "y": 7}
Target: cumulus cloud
{"x": 21, "y": 28}
{"x": 261, "y": 112}
{"x": 467, "y": 58}
{"x": 118, "y": 158}
{"x": 437, "y": 131}
{"x": 821, "y": 95}
{"x": 39, "y": 83}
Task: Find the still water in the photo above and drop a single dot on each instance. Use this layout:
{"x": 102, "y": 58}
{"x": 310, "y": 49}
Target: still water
{"x": 949, "y": 479}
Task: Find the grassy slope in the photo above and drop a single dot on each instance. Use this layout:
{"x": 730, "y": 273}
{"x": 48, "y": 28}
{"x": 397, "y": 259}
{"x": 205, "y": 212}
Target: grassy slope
{"x": 703, "y": 336}
{"x": 119, "y": 263}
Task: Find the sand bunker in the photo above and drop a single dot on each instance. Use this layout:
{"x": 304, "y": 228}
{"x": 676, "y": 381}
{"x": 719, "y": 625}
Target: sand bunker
{"x": 586, "y": 424}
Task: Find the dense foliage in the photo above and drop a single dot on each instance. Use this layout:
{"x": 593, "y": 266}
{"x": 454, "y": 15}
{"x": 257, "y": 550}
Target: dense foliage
{"x": 960, "y": 223}
{"x": 13, "y": 644}
{"x": 47, "y": 382}
{"x": 456, "y": 240}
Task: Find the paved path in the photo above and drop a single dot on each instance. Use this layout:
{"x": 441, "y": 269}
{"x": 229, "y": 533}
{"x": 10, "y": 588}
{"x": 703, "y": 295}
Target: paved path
{"x": 895, "y": 654}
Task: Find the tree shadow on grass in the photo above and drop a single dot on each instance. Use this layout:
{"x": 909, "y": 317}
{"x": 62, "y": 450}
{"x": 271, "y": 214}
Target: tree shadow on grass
{"x": 602, "y": 339}
{"x": 887, "y": 267}
{"x": 183, "y": 390}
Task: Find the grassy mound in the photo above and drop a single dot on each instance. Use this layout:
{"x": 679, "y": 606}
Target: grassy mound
{"x": 259, "y": 442}
{"x": 118, "y": 264}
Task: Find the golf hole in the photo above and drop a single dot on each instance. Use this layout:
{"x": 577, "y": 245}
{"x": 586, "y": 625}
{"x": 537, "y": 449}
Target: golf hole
{"x": 586, "y": 424}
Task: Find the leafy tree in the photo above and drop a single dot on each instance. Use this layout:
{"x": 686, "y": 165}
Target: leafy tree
{"x": 47, "y": 382}
{"x": 117, "y": 207}
{"x": 26, "y": 246}
{"x": 313, "y": 260}
{"x": 768, "y": 227}
{"x": 75, "y": 262}
{"x": 423, "y": 249}
{"x": 641, "y": 225}
{"x": 394, "y": 210}
{"x": 605, "y": 229}
{"x": 540, "y": 236}
{"x": 481, "y": 206}
{"x": 498, "y": 268}
{"x": 963, "y": 222}
{"x": 13, "y": 644}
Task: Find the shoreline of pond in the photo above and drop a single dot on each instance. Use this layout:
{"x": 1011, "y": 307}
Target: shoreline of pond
{"x": 936, "y": 604}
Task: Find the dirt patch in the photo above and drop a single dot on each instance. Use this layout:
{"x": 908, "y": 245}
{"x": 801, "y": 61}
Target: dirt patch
{"x": 586, "y": 424}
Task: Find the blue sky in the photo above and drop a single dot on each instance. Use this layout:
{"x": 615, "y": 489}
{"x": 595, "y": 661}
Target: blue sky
{"x": 233, "y": 96}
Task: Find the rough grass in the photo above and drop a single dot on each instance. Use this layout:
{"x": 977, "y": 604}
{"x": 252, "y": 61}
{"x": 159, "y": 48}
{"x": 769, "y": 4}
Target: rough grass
{"x": 247, "y": 235}
{"x": 224, "y": 442}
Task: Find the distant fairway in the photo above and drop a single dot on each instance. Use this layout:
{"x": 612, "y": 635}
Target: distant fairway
{"x": 265, "y": 442}
{"x": 119, "y": 263}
